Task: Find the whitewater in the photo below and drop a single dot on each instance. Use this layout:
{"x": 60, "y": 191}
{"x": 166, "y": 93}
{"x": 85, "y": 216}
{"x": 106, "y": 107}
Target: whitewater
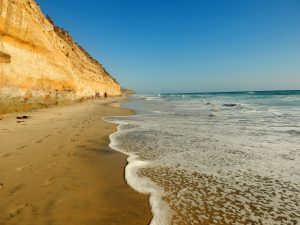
{"x": 214, "y": 158}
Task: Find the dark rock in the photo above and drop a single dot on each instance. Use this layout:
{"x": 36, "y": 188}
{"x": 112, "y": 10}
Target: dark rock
{"x": 22, "y": 117}
{"x": 230, "y": 105}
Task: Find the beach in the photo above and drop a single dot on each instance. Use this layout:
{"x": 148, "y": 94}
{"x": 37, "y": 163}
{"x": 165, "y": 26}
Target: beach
{"x": 56, "y": 168}
{"x": 149, "y": 113}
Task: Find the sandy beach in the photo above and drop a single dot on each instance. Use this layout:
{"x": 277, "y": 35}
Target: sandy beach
{"x": 56, "y": 168}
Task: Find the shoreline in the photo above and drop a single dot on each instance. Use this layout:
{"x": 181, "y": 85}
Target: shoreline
{"x": 161, "y": 212}
{"x": 57, "y": 168}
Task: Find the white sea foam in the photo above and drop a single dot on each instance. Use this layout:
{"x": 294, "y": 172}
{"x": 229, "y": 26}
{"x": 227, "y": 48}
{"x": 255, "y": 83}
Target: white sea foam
{"x": 153, "y": 98}
{"x": 214, "y": 164}
{"x": 161, "y": 212}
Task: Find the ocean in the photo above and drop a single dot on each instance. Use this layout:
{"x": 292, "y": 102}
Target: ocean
{"x": 214, "y": 158}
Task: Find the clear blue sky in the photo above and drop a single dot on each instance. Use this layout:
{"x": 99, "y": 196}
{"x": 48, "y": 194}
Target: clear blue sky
{"x": 188, "y": 45}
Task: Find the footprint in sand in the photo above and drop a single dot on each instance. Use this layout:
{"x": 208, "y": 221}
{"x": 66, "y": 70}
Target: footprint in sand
{"x": 81, "y": 146}
{"x": 91, "y": 141}
{"x": 67, "y": 187}
{"x": 52, "y": 165}
{"x": 24, "y": 167}
{"x": 53, "y": 154}
{"x": 17, "y": 210}
{"x": 21, "y": 147}
{"x": 49, "y": 181}
{"x": 73, "y": 140}
{"x": 49, "y": 135}
{"x": 5, "y": 155}
{"x": 59, "y": 146}
{"x": 72, "y": 154}
{"x": 39, "y": 141}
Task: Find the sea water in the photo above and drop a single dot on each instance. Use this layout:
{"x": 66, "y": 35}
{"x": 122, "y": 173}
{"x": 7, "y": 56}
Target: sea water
{"x": 215, "y": 158}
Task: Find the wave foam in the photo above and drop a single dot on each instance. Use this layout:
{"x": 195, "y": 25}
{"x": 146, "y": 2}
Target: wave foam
{"x": 162, "y": 214}
{"x": 214, "y": 164}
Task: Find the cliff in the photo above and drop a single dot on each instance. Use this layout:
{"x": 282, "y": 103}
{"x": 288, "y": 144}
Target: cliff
{"x": 40, "y": 63}
{"x": 126, "y": 91}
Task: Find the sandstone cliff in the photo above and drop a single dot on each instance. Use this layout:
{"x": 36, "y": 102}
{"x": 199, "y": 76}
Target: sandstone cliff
{"x": 40, "y": 63}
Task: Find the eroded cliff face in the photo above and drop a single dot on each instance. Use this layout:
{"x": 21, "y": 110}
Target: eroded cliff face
{"x": 40, "y": 64}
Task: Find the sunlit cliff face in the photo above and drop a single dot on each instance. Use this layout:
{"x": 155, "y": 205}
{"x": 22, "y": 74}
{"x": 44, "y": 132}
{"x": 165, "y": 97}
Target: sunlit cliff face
{"x": 40, "y": 63}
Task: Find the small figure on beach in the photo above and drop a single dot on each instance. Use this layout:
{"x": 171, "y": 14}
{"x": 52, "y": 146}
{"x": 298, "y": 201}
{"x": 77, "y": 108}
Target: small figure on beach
{"x": 105, "y": 95}
{"x": 97, "y": 95}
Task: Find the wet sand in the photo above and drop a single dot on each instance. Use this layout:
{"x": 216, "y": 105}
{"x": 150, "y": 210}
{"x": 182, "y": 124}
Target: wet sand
{"x": 57, "y": 169}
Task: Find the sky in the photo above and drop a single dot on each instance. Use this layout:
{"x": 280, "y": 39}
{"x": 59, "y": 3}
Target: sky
{"x": 163, "y": 46}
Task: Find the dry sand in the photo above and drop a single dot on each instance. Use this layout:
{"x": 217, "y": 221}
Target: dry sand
{"x": 56, "y": 168}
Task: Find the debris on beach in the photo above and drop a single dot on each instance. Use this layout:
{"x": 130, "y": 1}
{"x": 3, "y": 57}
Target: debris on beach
{"x": 22, "y": 117}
